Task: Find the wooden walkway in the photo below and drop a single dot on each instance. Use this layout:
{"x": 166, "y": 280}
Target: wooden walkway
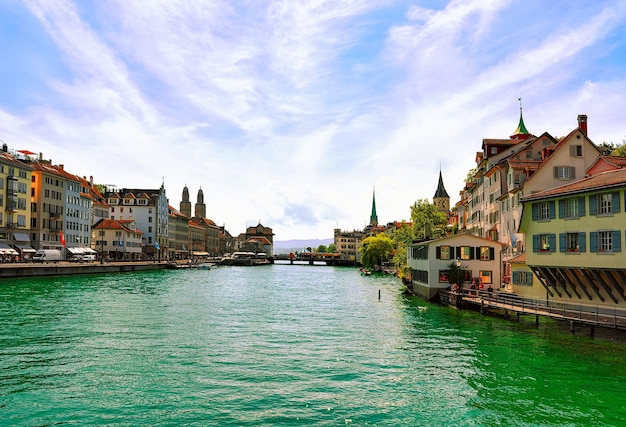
{"x": 581, "y": 314}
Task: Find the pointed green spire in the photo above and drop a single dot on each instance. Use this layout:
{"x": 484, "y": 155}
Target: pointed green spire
{"x": 373, "y": 216}
{"x": 521, "y": 127}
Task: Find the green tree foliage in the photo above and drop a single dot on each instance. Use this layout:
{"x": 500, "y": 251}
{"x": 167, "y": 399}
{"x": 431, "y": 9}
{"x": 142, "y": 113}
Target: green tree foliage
{"x": 455, "y": 274}
{"x": 322, "y": 249}
{"x": 428, "y": 221}
{"x": 376, "y": 250}
{"x": 332, "y": 248}
{"x": 619, "y": 150}
{"x": 606, "y": 148}
{"x": 402, "y": 237}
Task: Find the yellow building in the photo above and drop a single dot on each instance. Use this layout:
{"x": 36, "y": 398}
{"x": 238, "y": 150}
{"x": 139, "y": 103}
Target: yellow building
{"x": 574, "y": 234}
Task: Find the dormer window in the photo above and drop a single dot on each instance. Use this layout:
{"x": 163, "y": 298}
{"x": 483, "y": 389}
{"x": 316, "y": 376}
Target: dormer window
{"x": 128, "y": 201}
{"x": 114, "y": 201}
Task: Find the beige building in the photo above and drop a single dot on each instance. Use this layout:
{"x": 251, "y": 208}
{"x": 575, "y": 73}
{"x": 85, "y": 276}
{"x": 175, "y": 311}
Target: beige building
{"x": 118, "y": 240}
{"x": 430, "y": 261}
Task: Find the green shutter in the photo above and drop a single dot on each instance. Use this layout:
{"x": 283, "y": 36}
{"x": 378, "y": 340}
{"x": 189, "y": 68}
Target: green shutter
{"x": 562, "y": 241}
{"x": 552, "y": 209}
{"x": 617, "y": 241}
{"x": 593, "y": 241}
{"x": 582, "y": 247}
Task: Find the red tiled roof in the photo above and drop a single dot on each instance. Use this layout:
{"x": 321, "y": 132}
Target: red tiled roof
{"x": 520, "y": 259}
{"x": 602, "y": 180}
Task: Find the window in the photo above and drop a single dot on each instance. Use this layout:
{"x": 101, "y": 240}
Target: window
{"x": 543, "y": 211}
{"x": 443, "y": 276}
{"x": 604, "y": 204}
{"x": 522, "y": 278}
{"x": 486, "y": 253}
{"x": 572, "y": 242}
{"x": 576, "y": 150}
{"x": 465, "y": 252}
{"x": 565, "y": 172}
{"x": 605, "y": 241}
{"x": 444, "y": 252}
{"x": 485, "y": 276}
{"x": 544, "y": 242}
{"x": 573, "y": 207}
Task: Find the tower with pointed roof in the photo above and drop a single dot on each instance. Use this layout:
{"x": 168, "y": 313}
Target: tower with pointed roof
{"x": 521, "y": 132}
{"x": 373, "y": 216}
{"x": 185, "y": 204}
{"x": 200, "y": 211}
{"x": 441, "y": 199}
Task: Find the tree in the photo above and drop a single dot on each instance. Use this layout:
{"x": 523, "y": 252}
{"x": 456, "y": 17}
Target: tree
{"x": 428, "y": 221}
{"x": 332, "y": 248}
{"x": 402, "y": 237}
{"x": 455, "y": 274}
{"x": 606, "y": 148}
{"x": 619, "y": 150}
{"x": 322, "y": 249}
{"x": 376, "y": 250}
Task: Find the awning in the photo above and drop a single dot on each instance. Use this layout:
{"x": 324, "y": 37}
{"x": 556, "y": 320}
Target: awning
{"x": 21, "y": 237}
{"x": 26, "y": 249}
{"x": 89, "y": 251}
{"x": 200, "y": 253}
{"x": 7, "y": 250}
{"x": 75, "y": 251}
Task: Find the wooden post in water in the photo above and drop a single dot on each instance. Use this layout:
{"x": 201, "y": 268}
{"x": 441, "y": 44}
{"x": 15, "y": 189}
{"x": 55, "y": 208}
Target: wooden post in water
{"x": 379, "y": 294}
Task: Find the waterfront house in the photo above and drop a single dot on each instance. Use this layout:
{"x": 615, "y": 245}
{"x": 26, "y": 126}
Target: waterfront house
{"x": 118, "y": 240}
{"x": 576, "y": 232}
{"x": 15, "y": 212}
{"x": 149, "y": 209}
{"x": 430, "y": 262}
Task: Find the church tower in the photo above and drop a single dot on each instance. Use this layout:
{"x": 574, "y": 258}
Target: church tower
{"x": 441, "y": 199}
{"x": 185, "y": 204}
{"x": 521, "y": 132}
{"x": 200, "y": 206}
{"x": 373, "y": 216}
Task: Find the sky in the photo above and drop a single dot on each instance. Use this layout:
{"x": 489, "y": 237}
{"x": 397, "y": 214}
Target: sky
{"x": 290, "y": 112}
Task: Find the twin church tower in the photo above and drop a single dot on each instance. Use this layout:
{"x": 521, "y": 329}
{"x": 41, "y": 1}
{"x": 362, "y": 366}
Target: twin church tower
{"x": 185, "y": 205}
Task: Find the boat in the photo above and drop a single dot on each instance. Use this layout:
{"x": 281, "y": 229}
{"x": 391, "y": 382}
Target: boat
{"x": 365, "y": 272}
{"x": 246, "y": 259}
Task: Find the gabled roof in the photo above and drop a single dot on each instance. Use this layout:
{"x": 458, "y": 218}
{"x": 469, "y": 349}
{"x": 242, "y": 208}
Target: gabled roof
{"x": 601, "y": 181}
{"x": 115, "y": 224}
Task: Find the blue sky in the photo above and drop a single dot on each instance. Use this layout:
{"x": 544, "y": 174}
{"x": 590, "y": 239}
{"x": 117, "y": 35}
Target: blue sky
{"x": 290, "y": 112}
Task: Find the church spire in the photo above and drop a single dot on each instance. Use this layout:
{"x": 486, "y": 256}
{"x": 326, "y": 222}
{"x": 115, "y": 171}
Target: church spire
{"x": 441, "y": 199}
{"x": 373, "y": 216}
{"x": 521, "y": 132}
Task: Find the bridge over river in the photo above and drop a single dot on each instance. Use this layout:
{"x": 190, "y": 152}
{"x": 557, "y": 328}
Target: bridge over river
{"x": 313, "y": 258}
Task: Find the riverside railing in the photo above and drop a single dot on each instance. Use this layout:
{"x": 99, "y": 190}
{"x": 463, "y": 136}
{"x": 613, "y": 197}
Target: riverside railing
{"x": 609, "y": 316}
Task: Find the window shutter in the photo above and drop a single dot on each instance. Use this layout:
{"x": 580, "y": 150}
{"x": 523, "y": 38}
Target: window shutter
{"x": 562, "y": 243}
{"x": 581, "y": 206}
{"x": 535, "y": 212}
{"x": 471, "y": 254}
{"x": 582, "y": 247}
{"x": 552, "y": 208}
{"x": 458, "y": 252}
{"x": 617, "y": 241}
{"x": 562, "y": 208}
{"x": 535, "y": 243}
{"x": 555, "y": 170}
{"x": 593, "y": 205}
{"x": 492, "y": 254}
{"x": 572, "y": 172}
{"x": 572, "y": 150}
{"x": 514, "y": 277}
{"x": 552, "y": 241}
{"x": 438, "y": 252}
{"x": 477, "y": 252}
{"x": 593, "y": 241}
{"x": 615, "y": 205}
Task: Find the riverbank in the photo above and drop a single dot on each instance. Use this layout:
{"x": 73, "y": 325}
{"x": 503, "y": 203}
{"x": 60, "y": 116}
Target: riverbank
{"x": 65, "y": 268}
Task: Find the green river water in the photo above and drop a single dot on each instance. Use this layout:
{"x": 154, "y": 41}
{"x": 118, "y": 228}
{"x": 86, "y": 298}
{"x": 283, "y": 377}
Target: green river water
{"x": 287, "y": 346}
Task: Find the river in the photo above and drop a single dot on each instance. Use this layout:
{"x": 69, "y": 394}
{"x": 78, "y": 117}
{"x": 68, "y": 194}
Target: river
{"x": 286, "y": 346}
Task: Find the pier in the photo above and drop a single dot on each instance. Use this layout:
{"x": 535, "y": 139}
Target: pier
{"x": 512, "y": 304}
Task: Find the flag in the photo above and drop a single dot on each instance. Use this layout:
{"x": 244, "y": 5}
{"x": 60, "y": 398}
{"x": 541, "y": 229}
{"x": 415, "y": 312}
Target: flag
{"x": 512, "y": 238}
{"x": 156, "y": 245}
{"x": 62, "y": 237}
{"x": 119, "y": 242}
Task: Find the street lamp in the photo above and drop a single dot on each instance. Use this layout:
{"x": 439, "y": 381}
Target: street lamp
{"x": 102, "y": 244}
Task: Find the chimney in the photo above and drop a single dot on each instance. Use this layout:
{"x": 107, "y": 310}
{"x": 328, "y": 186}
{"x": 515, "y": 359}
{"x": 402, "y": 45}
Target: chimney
{"x": 91, "y": 180}
{"x": 62, "y": 167}
{"x": 582, "y": 123}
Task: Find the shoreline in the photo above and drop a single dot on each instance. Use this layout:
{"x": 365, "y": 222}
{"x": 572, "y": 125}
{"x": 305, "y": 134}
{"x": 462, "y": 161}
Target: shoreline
{"x": 66, "y": 268}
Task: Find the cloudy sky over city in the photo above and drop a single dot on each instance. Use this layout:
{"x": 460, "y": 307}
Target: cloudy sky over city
{"x": 290, "y": 112}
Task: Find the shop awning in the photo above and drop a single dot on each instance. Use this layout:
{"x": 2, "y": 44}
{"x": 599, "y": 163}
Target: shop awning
{"x": 200, "y": 253}
{"x": 7, "y": 250}
{"x": 25, "y": 249}
{"x": 21, "y": 237}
